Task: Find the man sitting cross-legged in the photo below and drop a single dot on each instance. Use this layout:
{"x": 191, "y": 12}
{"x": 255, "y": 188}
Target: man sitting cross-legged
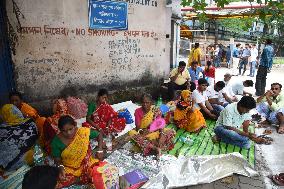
{"x": 231, "y": 119}
{"x": 272, "y": 106}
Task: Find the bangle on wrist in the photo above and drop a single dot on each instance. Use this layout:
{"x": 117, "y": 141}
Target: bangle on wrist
{"x": 61, "y": 166}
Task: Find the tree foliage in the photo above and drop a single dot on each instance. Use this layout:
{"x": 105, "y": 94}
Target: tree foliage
{"x": 237, "y": 25}
{"x": 271, "y": 15}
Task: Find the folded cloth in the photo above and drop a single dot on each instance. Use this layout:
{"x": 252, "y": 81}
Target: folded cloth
{"x": 124, "y": 113}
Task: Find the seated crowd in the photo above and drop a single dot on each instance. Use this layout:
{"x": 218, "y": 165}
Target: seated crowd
{"x": 68, "y": 142}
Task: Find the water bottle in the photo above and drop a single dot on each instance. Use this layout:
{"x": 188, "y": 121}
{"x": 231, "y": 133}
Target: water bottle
{"x": 185, "y": 140}
{"x": 38, "y": 155}
{"x": 160, "y": 101}
{"x": 108, "y": 141}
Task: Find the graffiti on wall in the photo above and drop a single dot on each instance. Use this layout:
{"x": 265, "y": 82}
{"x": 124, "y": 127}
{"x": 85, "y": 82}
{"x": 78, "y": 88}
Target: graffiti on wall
{"x": 120, "y": 50}
{"x": 123, "y": 50}
{"x": 41, "y": 61}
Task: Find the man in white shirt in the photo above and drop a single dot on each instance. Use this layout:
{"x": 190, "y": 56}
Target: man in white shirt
{"x": 230, "y": 121}
{"x": 201, "y": 100}
{"x": 214, "y": 93}
{"x": 238, "y": 87}
{"x": 253, "y": 59}
{"x": 228, "y": 95}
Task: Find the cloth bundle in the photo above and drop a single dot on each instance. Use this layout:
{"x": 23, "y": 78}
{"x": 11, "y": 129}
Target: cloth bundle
{"x": 124, "y": 113}
{"x": 77, "y": 107}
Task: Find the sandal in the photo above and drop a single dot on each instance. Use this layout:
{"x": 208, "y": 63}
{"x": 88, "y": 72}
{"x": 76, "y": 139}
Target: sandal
{"x": 278, "y": 179}
{"x": 281, "y": 130}
{"x": 267, "y": 132}
{"x": 264, "y": 140}
{"x": 256, "y": 118}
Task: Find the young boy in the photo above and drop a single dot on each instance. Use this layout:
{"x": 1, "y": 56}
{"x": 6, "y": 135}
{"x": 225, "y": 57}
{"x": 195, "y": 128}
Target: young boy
{"x": 200, "y": 98}
{"x": 231, "y": 119}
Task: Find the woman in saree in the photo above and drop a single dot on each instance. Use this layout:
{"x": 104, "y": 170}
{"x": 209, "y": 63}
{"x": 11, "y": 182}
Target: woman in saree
{"x": 72, "y": 152}
{"x": 102, "y": 117}
{"x": 185, "y": 116}
{"x": 156, "y": 140}
{"x": 17, "y": 137}
{"x": 209, "y": 73}
{"x": 28, "y": 112}
{"x": 50, "y": 128}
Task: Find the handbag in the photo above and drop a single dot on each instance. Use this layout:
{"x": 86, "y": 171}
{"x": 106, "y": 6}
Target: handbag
{"x": 124, "y": 113}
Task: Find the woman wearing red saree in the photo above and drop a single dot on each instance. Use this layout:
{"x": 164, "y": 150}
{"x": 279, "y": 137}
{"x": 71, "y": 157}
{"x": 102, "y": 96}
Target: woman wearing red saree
{"x": 102, "y": 117}
{"x": 209, "y": 73}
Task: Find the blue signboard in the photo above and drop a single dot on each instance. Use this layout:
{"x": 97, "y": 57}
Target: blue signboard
{"x": 109, "y": 15}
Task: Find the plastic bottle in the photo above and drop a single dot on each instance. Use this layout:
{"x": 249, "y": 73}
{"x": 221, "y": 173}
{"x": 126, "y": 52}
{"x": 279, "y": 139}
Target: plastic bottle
{"x": 185, "y": 140}
{"x": 160, "y": 101}
{"x": 108, "y": 141}
{"x": 38, "y": 155}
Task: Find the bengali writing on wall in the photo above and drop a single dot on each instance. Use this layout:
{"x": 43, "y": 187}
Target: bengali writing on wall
{"x": 63, "y": 31}
{"x": 123, "y": 50}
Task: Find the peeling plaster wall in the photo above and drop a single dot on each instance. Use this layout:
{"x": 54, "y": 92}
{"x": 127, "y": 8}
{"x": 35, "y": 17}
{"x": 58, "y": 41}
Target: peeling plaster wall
{"x": 56, "y": 53}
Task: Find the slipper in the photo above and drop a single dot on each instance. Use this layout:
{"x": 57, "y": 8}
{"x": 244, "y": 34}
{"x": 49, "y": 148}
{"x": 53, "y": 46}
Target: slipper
{"x": 266, "y": 137}
{"x": 281, "y": 130}
{"x": 266, "y": 140}
{"x": 267, "y": 132}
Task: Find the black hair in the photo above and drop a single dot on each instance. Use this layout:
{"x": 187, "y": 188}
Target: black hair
{"x": 220, "y": 84}
{"x": 208, "y": 64}
{"x": 277, "y": 84}
{"x": 247, "y": 44}
{"x": 41, "y": 177}
{"x": 196, "y": 45}
{"x": 237, "y": 45}
{"x": 194, "y": 62}
{"x": 146, "y": 95}
{"x": 66, "y": 119}
{"x": 247, "y": 102}
{"x": 202, "y": 81}
{"x": 181, "y": 64}
{"x": 268, "y": 41}
{"x": 102, "y": 92}
{"x": 15, "y": 93}
{"x": 249, "y": 83}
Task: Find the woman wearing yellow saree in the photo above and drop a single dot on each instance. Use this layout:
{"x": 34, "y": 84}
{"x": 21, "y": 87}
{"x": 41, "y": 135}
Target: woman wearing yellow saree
{"x": 28, "y": 111}
{"x": 160, "y": 139}
{"x": 72, "y": 152}
{"x": 186, "y": 116}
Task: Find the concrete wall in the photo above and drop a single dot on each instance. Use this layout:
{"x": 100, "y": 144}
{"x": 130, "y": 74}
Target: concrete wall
{"x": 55, "y": 52}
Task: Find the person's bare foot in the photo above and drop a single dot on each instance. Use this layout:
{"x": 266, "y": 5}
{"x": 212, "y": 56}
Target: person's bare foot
{"x": 215, "y": 139}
